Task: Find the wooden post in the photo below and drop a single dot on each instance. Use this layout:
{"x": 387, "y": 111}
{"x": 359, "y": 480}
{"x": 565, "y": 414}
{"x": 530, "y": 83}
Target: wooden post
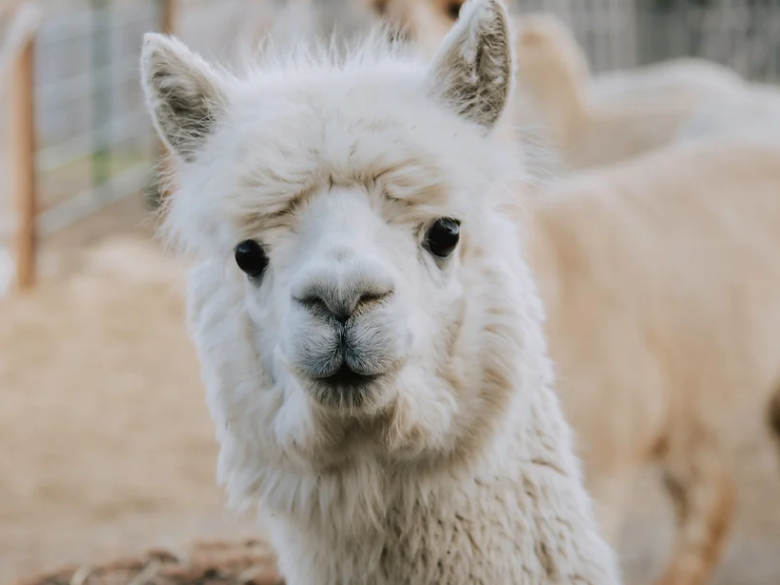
{"x": 22, "y": 163}
{"x": 168, "y": 16}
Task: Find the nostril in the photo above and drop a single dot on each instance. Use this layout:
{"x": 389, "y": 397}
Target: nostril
{"x": 313, "y": 303}
{"x": 369, "y": 299}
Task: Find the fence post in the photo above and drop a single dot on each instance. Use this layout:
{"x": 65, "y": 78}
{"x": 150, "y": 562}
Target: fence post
{"x": 168, "y": 16}
{"x": 102, "y": 55}
{"x": 22, "y": 163}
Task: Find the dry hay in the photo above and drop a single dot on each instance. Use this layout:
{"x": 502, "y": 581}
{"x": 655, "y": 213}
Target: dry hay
{"x": 248, "y": 562}
{"x": 106, "y": 446}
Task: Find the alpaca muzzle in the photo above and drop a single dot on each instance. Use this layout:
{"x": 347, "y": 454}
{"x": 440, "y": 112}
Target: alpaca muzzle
{"x": 344, "y": 362}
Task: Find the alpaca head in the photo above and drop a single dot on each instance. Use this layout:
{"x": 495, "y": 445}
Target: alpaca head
{"x": 357, "y": 294}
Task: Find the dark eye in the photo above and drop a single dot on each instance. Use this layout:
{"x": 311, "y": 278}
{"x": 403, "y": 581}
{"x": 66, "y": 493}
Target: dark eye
{"x": 453, "y": 10}
{"x": 251, "y": 258}
{"x": 442, "y": 237}
{"x": 381, "y": 7}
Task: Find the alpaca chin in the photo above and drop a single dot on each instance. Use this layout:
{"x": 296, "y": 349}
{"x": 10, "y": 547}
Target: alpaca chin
{"x": 352, "y": 393}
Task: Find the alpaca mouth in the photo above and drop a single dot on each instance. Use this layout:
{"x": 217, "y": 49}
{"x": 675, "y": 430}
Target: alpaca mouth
{"x": 346, "y": 377}
{"x": 344, "y": 388}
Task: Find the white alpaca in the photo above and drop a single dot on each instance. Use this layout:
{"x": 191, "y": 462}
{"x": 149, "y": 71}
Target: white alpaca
{"x": 370, "y": 336}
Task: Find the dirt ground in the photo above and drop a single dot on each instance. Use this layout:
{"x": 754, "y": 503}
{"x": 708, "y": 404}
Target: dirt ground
{"x": 106, "y": 446}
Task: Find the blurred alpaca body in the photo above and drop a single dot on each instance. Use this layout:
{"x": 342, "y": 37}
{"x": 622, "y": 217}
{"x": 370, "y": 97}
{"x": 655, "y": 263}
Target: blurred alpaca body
{"x": 752, "y": 112}
{"x": 661, "y": 278}
{"x": 635, "y": 113}
{"x": 672, "y": 78}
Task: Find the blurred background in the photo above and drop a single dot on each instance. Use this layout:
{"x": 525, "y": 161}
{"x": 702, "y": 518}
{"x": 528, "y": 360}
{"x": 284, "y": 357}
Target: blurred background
{"x": 106, "y": 447}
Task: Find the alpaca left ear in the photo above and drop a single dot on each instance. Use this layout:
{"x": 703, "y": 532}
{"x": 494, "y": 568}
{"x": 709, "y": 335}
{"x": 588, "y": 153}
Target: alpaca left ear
{"x": 472, "y": 72}
{"x": 184, "y": 94}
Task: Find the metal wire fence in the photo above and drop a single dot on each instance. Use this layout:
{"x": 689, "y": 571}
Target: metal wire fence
{"x": 94, "y": 141}
{"x": 95, "y": 144}
{"x": 616, "y": 34}
{"x": 744, "y": 34}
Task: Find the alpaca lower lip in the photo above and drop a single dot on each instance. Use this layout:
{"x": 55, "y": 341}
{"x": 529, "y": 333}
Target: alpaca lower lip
{"x": 346, "y": 377}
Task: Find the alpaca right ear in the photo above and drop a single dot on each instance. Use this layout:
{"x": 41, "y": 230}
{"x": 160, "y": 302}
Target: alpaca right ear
{"x": 473, "y": 69}
{"x": 184, "y": 94}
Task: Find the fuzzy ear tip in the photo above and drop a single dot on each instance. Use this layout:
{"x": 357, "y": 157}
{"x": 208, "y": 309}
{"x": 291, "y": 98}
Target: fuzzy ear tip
{"x": 152, "y": 40}
{"x": 482, "y": 15}
{"x": 155, "y": 43}
{"x": 151, "y": 44}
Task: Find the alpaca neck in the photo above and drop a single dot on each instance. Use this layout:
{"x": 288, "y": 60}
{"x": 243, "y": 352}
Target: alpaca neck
{"x": 426, "y": 524}
{"x": 518, "y": 514}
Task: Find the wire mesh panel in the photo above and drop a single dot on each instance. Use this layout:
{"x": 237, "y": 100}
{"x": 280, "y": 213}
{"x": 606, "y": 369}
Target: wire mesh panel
{"x": 6, "y": 210}
{"x": 744, "y": 34}
{"x": 617, "y": 34}
{"x": 95, "y": 142}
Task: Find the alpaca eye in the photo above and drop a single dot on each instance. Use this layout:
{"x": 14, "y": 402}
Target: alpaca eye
{"x": 251, "y": 258}
{"x": 442, "y": 237}
{"x": 453, "y": 10}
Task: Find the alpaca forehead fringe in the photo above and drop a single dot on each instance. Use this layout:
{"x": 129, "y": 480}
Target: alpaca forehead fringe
{"x": 277, "y": 56}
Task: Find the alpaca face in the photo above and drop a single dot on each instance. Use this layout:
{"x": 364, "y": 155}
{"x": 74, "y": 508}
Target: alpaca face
{"x": 342, "y": 216}
{"x": 350, "y": 290}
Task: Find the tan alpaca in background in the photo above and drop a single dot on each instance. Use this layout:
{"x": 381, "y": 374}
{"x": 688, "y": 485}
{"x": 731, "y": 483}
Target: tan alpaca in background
{"x": 684, "y": 75}
{"x": 661, "y": 278}
{"x": 754, "y": 111}
{"x": 585, "y": 130}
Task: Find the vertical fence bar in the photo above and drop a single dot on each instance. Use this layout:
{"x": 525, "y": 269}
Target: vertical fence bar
{"x": 168, "y": 16}
{"x": 22, "y": 163}
{"x": 101, "y": 95}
